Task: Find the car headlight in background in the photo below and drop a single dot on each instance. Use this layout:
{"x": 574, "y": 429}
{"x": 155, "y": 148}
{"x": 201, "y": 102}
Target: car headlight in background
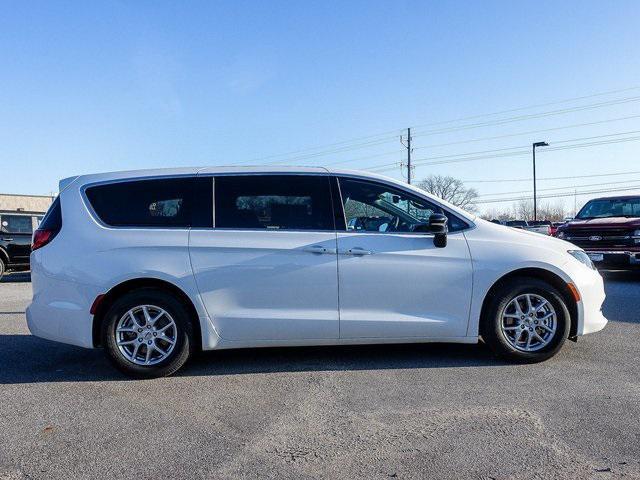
{"x": 582, "y": 257}
{"x": 636, "y": 236}
{"x": 560, "y": 235}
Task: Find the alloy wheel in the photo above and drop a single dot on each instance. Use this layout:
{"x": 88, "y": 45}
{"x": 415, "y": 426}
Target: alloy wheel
{"x": 529, "y": 322}
{"x": 146, "y": 335}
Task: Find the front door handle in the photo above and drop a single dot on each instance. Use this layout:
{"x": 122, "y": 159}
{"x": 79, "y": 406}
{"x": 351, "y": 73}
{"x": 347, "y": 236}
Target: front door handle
{"x": 319, "y": 249}
{"x": 357, "y": 251}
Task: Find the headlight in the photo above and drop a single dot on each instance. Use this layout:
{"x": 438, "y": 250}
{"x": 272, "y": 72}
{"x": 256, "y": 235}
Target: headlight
{"x": 636, "y": 236}
{"x": 560, "y": 234}
{"x": 582, "y": 258}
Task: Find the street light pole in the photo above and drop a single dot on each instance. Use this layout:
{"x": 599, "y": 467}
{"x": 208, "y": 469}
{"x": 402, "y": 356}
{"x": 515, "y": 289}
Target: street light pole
{"x": 535, "y": 197}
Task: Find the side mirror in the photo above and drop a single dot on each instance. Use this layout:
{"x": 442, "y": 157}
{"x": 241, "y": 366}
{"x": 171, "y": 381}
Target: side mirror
{"x": 438, "y": 226}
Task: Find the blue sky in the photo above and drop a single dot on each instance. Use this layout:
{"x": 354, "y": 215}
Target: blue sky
{"x": 98, "y": 86}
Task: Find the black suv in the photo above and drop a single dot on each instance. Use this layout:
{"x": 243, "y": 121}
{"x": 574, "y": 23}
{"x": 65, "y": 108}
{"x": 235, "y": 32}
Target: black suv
{"x": 15, "y": 240}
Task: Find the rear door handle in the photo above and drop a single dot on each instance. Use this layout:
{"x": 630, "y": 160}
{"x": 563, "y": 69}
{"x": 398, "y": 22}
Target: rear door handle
{"x": 319, "y": 249}
{"x": 357, "y": 251}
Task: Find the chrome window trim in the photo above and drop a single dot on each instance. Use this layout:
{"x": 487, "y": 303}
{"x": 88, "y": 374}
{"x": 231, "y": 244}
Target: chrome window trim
{"x": 94, "y": 216}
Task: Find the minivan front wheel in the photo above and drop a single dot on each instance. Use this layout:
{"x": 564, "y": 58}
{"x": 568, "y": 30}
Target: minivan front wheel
{"x": 147, "y": 333}
{"x": 527, "y": 320}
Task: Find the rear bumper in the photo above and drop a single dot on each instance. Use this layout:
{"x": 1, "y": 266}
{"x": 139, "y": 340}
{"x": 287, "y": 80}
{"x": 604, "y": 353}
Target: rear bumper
{"x": 60, "y": 324}
{"x": 59, "y": 310}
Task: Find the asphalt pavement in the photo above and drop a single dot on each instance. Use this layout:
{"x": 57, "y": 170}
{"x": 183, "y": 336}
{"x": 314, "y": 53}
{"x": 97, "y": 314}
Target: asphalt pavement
{"x": 404, "y": 411}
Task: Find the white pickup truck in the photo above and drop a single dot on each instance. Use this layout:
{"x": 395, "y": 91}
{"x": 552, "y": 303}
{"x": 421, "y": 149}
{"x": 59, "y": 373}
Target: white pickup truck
{"x": 540, "y": 226}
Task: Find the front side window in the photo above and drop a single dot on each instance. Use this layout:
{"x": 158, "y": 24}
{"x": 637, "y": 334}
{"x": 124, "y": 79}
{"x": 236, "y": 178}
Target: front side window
{"x": 167, "y": 202}
{"x": 273, "y": 202}
{"x": 373, "y": 207}
{"x": 16, "y": 224}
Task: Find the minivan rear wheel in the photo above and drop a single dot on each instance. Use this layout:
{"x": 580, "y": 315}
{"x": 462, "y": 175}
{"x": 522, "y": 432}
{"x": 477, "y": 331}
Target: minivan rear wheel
{"x": 527, "y": 321}
{"x": 147, "y": 333}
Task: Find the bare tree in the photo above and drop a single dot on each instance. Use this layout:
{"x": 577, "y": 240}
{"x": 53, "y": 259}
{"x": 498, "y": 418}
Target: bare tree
{"x": 450, "y": 189}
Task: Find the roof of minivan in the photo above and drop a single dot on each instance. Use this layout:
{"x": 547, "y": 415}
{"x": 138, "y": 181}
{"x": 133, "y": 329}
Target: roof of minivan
{"x": 161, "y": 172}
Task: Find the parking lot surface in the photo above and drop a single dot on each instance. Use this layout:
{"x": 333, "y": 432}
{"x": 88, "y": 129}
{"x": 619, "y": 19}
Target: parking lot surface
{"x": 405, "y": 411}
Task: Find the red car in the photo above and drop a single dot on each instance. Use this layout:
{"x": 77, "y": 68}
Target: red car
{"x": 553, "y": 229}
{"x": 608, "y": 229}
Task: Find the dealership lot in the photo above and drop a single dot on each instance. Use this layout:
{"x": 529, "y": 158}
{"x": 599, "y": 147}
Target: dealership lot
{"x": 441, "y": 411}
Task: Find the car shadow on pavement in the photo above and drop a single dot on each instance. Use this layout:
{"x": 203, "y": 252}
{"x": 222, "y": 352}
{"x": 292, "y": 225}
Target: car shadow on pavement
{"x": 29, "y": 359}
{"x": 16, "y": 277}
{"x": 621, "y": 275}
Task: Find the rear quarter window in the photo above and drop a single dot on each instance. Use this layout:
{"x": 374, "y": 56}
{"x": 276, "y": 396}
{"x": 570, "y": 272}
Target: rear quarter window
{"x": 159, "y": 203}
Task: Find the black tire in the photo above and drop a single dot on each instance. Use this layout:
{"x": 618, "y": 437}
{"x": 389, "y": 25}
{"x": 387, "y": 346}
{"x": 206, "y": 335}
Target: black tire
{"x": 491, "y": 324}
{"x": 184, "y": 337}
{"x": 3, "y": 268}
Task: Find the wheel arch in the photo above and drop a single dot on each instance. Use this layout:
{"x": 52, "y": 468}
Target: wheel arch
{"x": 540, "y": 273}
{"x": 137, "y": 283}
{"x": 4, "y": 256}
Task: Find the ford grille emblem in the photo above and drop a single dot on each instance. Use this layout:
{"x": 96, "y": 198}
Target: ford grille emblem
{"x": 595, "y": 238}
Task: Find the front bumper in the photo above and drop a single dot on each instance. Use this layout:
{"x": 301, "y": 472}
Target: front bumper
{"x": 620, "y": 258}
{"x": 592, "y": 295}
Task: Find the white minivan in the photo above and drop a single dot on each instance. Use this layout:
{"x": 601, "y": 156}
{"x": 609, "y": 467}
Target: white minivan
{"x": 155, "y": 265}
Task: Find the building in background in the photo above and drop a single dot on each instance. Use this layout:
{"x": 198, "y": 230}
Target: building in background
{"x": 25, "y": 204}
{"x": 22, "y": 213}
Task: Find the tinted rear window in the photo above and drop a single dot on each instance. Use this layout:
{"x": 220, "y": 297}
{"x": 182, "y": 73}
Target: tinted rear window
{"x": 277, "y": 202}
{"x": 167, "y": 202}
{"x": 16, "y": 224}
{"x": 53, "y": 218}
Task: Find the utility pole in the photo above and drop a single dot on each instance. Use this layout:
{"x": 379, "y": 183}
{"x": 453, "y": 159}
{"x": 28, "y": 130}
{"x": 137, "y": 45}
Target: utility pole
{"x": 535, "y": 197}
{"x": 408, "y": 147}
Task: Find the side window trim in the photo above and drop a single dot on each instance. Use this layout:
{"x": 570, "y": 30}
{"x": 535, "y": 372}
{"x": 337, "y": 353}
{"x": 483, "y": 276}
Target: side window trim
{"x": 339, "y": 217}
{"x": 386, "y": 185}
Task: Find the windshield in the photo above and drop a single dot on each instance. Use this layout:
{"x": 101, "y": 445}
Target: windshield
{"x": 615, "y": 207}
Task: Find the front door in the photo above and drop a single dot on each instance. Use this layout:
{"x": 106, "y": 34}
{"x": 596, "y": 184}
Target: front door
{"x": 268, "y": 270}
{"x": 394, "y": 283}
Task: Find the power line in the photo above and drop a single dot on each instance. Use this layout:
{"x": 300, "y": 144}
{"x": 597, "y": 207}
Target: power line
{"x": 560, "y": 195}
{"x": 561, "y": 188}
{"x": 325, "y": 146}
{"x": 532, "y": 116}
{"x": 509, "y": 151}
{"x": 599, "y": 122}
{"x": 505, "y": 180}
{"x": 529, "y": 132}
{"x": 366, "y": 140}
{"x": 384, "y": 154}
{"x": 346, "y": 148}
{"x": 539, "y": 105}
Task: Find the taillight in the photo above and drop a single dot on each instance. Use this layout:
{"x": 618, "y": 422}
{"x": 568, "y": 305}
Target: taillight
{"x": 41, "y": 238}
{"x": 49, "y": 227}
